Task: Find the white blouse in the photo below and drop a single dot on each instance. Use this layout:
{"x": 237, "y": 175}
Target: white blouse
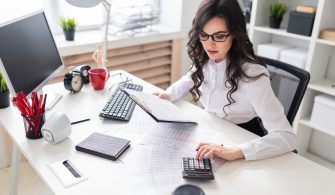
{"x": 252, "y": 98}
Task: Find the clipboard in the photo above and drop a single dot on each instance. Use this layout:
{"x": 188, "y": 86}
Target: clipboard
{"x": 159, "y": 109}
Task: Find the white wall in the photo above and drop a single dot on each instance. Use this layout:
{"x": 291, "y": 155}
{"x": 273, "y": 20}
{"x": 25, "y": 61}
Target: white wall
{"x": 189, "y": 9}
{"x": 171, "y": 13}
{"x": 179, "y": 14}
{"x": 15, "y": 8}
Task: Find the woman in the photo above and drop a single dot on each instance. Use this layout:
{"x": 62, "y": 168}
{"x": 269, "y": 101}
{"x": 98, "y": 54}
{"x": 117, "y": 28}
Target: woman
{"x": 232, "y": 82}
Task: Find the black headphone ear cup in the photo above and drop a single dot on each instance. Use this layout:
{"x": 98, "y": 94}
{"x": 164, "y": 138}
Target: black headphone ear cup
{"x": 76, "y": 72}
{"x": 67, "y": 81}
{"x": 67, "y": 75}
{"x": 84, "y": 73}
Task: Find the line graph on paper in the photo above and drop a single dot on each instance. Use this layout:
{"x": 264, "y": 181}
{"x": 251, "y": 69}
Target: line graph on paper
{"x": 170, "y": 144}
{"x": 168, "y": 136}
{"x": 163, "y": 158}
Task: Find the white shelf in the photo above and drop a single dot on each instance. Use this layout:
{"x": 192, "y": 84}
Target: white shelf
{"x": 281, "y": 32}
{"x": 324, "y": 86}
{"x": 326, "y": 42}
{"x": 307, "y": 122}
{"x": 319, "y": 62}
{"x": 319, "y": 160}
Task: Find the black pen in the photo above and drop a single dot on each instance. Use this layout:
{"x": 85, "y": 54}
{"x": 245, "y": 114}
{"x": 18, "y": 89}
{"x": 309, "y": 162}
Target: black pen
{"x": 80, "y": 121}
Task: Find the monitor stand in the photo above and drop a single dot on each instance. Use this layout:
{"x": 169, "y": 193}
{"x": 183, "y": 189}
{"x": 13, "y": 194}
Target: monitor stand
{"x": 52, "y": 99}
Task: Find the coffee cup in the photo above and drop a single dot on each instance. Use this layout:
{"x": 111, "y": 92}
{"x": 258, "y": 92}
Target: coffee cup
{"x": 98, "y": 77}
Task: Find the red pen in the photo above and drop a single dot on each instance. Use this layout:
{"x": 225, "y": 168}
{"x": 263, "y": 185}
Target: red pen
{"x": 21, "y": 98}
{"x": 39, "y": 114}
{"x": 45, "y": 100}
{"x": 21, "y": 109}
{"x": 24, "y": 109}
{"x": 33, "y": 102}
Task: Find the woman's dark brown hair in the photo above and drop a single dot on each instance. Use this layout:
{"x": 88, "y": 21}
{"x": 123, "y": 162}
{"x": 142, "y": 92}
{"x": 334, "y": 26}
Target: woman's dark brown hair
{"x": 240, "y": 52}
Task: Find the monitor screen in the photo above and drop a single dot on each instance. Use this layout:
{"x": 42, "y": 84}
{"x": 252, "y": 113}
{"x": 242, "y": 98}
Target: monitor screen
{"x": 28, "y": 54}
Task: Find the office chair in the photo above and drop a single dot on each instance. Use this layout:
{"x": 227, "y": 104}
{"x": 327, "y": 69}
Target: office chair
{"x": 289, "y": 84}
{"x": 283, "y": 75}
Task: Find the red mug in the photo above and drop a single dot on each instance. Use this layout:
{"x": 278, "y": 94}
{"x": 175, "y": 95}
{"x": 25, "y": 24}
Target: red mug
{"x": 98, "y": 77}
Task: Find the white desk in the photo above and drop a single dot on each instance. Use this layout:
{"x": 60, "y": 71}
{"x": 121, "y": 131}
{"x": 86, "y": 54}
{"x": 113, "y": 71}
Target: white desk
{"x": 286, "y": 174}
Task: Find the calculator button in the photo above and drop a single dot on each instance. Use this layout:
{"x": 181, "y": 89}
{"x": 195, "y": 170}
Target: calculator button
{"x": 201, "y": 165}
{"x": 191, "y": 162}
{"x": 196, "y": 163}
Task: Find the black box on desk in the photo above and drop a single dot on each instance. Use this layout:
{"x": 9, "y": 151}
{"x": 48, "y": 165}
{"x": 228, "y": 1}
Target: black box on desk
{"x": 301, "y": 23}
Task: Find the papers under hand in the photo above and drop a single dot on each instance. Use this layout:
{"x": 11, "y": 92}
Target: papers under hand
{"x": 159, "y": 109}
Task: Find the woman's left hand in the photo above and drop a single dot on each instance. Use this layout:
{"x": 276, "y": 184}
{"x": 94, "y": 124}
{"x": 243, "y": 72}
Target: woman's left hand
{"x": 214, "y": 150}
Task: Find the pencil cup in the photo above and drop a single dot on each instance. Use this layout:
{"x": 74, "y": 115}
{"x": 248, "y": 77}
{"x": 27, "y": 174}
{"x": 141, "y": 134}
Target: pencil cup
{"x": 32, "y": 125}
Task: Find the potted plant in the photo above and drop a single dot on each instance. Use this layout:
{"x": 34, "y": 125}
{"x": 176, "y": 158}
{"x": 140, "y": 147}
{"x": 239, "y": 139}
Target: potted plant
{"x": 277, "y": 10}
{"x": 69, "y": 27}
{"x": 4, "y": 93}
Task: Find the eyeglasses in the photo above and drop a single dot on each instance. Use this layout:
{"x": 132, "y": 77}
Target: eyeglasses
{"x": 123, "y": 80}
{"x": 217, "y": 37}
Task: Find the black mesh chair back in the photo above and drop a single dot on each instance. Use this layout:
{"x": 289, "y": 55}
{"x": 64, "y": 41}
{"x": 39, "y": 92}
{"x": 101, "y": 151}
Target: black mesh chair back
{"x": 289, "y": 83}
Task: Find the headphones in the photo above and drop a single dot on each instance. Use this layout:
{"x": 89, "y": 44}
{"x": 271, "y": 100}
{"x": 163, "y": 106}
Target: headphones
{"x": 74, "y": 80}
{"x": 83, "y": 71}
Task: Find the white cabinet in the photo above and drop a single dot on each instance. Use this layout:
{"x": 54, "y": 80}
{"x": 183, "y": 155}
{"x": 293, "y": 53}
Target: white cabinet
{"x": 315, "y": 142}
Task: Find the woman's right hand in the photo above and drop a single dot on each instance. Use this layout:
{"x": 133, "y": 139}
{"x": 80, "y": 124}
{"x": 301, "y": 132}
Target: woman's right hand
{"x": 163, "y": 95}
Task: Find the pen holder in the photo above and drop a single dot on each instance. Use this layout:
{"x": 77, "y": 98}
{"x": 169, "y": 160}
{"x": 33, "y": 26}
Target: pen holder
{"x": 33, "y": 125}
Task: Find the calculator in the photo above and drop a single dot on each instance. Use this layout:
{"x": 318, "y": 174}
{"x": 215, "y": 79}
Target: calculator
{"x": 197, "y": 169}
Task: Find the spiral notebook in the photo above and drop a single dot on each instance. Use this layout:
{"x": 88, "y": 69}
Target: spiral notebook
{"x": 103, "y": 145}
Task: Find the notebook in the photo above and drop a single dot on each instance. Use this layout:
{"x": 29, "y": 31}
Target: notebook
{"x": 103, "y": 145}
{"x": 159, "y": 109}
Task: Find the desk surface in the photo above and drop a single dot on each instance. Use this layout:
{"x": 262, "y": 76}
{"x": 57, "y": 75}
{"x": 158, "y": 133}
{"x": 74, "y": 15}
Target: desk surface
{"x": 286, "y": 174}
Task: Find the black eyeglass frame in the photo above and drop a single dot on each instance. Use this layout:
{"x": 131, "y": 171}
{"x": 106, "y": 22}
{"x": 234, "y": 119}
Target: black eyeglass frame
{"x": 213, "y": 36}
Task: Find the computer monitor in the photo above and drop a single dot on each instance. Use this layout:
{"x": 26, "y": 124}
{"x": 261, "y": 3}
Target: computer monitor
{"x": 29, "y": 57}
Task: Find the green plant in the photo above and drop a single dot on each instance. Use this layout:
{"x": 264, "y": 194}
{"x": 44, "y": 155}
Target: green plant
{"x": 277, "y": 10}
{"x": 3, "y": 85}
{"x": 68, "y": 24}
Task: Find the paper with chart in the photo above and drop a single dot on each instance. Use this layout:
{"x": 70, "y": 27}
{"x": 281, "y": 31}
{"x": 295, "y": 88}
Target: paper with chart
{"x": 161, "y": 110}
{"x": 170, "y": 144}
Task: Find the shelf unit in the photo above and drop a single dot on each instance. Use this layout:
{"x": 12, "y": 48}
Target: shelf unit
{"x": 324, "y": 86}
{"x": 307, "y": 122}
{"x": 281, "y": 32}
{"x": 314, "y": 142}
{"x": 326, "y": 42}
